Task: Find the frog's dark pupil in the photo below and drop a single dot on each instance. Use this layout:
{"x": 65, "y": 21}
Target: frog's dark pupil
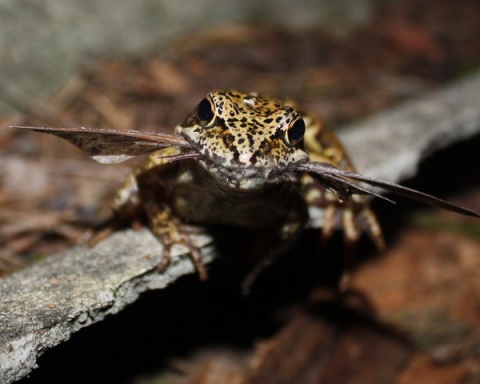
{"x": 204, "y": 110}
{"x": 296, "y": 131}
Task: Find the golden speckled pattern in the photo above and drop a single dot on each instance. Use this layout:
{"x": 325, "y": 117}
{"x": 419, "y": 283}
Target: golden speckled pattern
{"x": 248, "y": 133}
{"x": 247, "y": 144}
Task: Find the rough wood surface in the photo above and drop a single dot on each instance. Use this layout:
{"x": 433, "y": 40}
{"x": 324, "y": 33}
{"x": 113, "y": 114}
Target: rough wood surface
{"x": 43, "y": 304}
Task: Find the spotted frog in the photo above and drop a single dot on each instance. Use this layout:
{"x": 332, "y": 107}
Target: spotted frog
{"x": 241, "y": 161}
{"x": 245, "y": 143}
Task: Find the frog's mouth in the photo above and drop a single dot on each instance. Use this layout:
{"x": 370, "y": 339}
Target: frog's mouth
{"x": 242, "y": 180}
{"x": 236, "y": 179}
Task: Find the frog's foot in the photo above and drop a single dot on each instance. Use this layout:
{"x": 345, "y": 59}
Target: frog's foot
{"x": 94, "y": 236}
{"x": 354, "y": 218}
{"x": 174, "y": 234}
{"x": 128, "y": 217}
{"x": 105, "y": 229}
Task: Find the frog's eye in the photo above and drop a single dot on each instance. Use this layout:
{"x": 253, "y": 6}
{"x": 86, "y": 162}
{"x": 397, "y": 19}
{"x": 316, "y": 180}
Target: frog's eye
{"x": 295, "y": 132}
{"x": 205, "y": 111}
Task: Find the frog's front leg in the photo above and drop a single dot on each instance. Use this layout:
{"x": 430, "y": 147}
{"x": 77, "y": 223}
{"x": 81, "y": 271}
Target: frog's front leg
{"x": 144, "y": 190}
{"x": 127, "y": 202}
{"x": 165, "y": 225}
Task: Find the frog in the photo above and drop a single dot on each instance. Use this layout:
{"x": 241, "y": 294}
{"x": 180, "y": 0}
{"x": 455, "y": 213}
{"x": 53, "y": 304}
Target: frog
{"x": 245, "y": 141}
{"x": 241, "y": 161}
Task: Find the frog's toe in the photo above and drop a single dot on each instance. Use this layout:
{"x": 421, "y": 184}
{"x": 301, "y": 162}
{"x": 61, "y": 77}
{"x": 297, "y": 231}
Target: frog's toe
{"x": 165, "y": 259}
{"x": 196, "y": 257}
{"x": 372, "y": 227}
{"x": 329, "y": 221}
{"x": 356, "y": 222}
{"x": 192, "y": 250}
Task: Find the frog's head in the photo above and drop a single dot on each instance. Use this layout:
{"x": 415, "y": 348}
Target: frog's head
{"x": 246, "y": 140}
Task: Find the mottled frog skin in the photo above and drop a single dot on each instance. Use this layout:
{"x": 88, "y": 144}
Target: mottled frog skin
{"x": 247, "y": 144}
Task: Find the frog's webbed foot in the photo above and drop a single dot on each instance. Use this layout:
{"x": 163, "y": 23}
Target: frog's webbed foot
{"x": 170, "y": 232}
{"x": 164, "y": 224}
{"x": 353, "y": 216}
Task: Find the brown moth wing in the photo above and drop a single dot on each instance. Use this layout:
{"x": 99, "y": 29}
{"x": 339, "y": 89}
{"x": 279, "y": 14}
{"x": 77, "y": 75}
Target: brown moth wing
{"x": 340, "y": 181}
{"x": 109, "y": 146}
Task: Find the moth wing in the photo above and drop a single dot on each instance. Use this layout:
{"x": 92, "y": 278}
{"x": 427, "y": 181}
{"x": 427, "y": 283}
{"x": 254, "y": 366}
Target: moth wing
{"x": 339, "y": 180}
{"x": 111, "y": 146}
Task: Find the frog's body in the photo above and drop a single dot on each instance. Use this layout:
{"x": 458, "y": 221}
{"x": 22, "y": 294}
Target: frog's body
{"x": 245, "y": 145}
